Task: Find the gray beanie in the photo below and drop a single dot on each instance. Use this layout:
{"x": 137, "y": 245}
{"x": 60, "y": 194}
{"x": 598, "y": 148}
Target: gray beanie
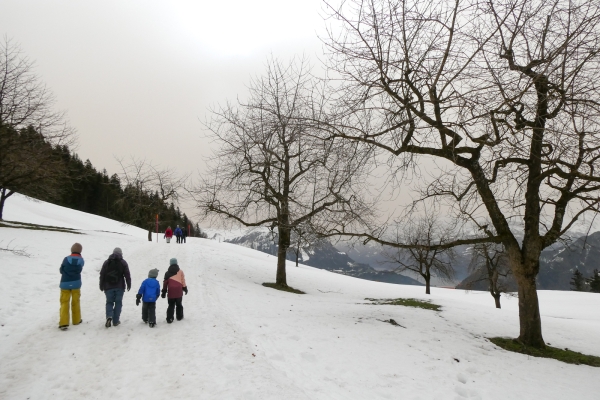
{"x": 172, "y": 261}
{"x": 118, "y": 251}
{"x": 153, "y": 273}
{"x": 76, "y": 248}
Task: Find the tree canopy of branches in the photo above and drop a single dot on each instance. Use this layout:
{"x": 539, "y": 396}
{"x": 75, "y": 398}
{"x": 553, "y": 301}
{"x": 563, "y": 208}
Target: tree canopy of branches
{"x": 489, "y": 262}
{"x": 578, "y": 281}
{"x": 140, "y": 178}
{"x": 502, "y": 93}
{"x": 28, "y": 165}
{"x": 423, "y": 255}
{"x": 272, "y": 167}
{"x": 29, "y": 127}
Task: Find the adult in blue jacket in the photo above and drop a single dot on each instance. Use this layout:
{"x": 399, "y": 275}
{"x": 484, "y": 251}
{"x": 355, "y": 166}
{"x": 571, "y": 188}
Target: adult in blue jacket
{"x": 178, "y": 233}
{"x": 70, "y": 287}
{"x": 148, "y": 293}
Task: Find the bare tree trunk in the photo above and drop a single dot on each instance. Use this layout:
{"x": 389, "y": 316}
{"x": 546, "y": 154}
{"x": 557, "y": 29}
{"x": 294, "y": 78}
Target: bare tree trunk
{"x": 529, "y": 313}
{"x": 497, "y": 300}
{"x": 427, "y": 277}
{"x": 284, "y": 243}
{"x": 3, "y": 197}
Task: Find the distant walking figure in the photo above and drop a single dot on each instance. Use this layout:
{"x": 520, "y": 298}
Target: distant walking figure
{"x": 184, "y": 234}
{"x": 178, "y": 234}
{"x": 70, "y": 287}
{"x": 168, "y": 234}
{"x": 113, "y": 276}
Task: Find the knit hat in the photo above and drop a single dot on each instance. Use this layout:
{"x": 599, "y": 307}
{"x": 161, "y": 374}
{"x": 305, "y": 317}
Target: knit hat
{"x": 118, "y": 251}
{"x": 172, "y": 261}
{"x": 153, "y": 273}
{"x": 76, "y": 248}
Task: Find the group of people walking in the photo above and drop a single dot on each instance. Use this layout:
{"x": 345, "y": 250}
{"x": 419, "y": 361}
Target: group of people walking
{"x": 115, "y": 278}
{"x": 180, "y": 234}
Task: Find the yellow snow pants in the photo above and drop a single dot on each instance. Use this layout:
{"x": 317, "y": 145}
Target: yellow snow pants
{"x": 72, "y": 296}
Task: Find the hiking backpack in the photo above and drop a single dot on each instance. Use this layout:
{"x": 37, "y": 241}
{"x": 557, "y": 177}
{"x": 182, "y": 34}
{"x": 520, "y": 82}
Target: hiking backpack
{"x": 114, "y": 271}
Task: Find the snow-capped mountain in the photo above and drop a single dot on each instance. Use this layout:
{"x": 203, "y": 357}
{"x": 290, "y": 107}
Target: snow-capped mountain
{"x": 321, "y": 254}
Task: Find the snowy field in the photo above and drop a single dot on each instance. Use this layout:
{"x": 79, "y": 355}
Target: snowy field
{"x": 240, "y": 340}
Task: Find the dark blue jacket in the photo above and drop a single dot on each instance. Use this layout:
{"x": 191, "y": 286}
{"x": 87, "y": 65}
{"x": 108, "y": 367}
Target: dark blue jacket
{"x": 178, "y": 232}
{"x": 71, "y": 271}
{"x": 150, "y": 290}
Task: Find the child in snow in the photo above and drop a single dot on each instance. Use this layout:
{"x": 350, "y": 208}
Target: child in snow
{"x": 174, "y": 284}
{"x": 148, "y": 294}
{"x": 70, "y": 285}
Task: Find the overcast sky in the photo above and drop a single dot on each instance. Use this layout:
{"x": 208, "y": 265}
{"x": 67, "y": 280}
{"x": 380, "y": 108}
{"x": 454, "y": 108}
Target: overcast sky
{"x": 136, "y": 77}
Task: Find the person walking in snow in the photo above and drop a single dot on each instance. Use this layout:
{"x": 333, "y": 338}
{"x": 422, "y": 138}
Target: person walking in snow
{"x": 70, "y": 287}
{"x": 114, "y": 275}
{"x": 174, "y": 284}
{"x": 168, "y": 234}
{"x": 184, "y": 234}
{"x": 148, "y": 294}
{"x": 178, "y": 234}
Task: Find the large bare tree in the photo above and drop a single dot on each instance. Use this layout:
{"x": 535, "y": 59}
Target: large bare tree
{"x": 503, "y": 95}
{"x": 29, "y": 126}
{"x": 272, "y": 168}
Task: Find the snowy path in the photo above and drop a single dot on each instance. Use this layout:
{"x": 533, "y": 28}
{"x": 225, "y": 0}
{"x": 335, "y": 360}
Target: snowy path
{"x": 204, "y": 353}
{"x": 240, "y": 340}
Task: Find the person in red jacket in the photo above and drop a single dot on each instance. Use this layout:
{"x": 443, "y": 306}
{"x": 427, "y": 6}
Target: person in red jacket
{"x": 169, "y": 234}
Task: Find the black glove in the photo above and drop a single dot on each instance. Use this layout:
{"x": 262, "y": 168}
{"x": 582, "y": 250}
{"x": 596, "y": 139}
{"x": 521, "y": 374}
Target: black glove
{"x": 137, "y": 299}
{"x": 185, "y": 290}
{"x": 128, "y": 287}
{"x": 164, "y": 294}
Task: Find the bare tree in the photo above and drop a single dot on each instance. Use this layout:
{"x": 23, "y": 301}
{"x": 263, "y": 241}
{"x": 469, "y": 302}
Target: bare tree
{"x": 489, "y": 264}
{"x": 272, "y": 168}
{"x": 423, "y": 253}
{"x": 140, "y": 178}
{"x": 502, "y": 93}
{"x": 29, "y": 127}
{"x": 303, "y": 235}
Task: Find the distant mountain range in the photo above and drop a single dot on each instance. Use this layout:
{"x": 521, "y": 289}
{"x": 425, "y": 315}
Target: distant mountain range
{"x": 557, "y": 265}
{"x": 321, "y": 255}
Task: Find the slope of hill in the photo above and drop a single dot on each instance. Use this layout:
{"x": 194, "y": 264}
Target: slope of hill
{"x": 321, "y": 255}
{"x": 240, "y": 340}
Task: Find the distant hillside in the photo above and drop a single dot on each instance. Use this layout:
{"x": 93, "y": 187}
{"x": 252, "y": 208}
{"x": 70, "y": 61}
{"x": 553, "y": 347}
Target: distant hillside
{"x": 557, "y": 265}
{"x": 322, "y": 255}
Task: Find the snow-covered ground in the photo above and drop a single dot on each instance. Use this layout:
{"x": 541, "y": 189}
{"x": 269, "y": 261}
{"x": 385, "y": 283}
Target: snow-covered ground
{"x": 240, "y": 340}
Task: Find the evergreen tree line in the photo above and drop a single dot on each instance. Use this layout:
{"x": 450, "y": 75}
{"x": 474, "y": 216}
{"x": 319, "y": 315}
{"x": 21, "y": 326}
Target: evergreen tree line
{"x": 34, "y": 167}
{"x": 579, "y": 283}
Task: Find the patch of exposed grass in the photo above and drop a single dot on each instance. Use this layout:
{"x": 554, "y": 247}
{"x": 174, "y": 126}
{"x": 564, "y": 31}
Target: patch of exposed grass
{"x": 425, "y": 304}
{"x": 283, "y": 288}
{"x": 566, "y": 355}
{"x": 36, "y": 227}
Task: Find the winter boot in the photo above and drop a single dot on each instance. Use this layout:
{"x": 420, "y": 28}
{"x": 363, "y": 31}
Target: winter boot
{"x": 108, "y": 322}
{"x": 63, "y": 327}
{"x": 152, "y": 324}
